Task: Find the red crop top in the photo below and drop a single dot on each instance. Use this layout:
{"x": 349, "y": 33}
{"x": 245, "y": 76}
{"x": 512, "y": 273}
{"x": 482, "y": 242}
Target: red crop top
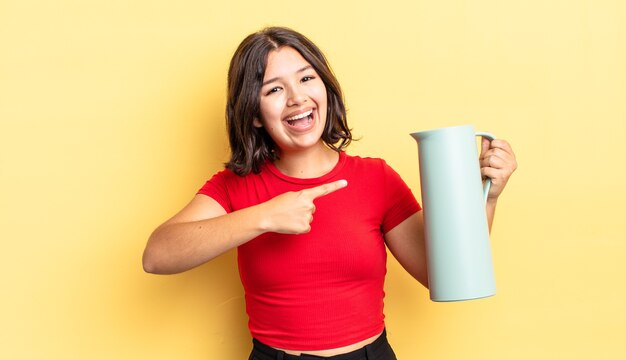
{"x": 323, "y": 289}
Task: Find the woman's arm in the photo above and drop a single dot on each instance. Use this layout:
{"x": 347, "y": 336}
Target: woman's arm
{"x": 203, "y": 230}
{"x": 406, "y": 243}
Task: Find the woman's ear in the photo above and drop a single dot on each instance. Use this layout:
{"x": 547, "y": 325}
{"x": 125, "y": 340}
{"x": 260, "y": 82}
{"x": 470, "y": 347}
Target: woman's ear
{"x": 257, "y": 123}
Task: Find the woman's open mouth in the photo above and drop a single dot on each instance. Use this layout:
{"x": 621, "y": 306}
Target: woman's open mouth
{"x": 301, "y": 120}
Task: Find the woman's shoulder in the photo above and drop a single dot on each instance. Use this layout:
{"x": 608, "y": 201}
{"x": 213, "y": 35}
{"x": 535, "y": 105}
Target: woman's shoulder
{"x": 377, "y": 169}
{"x": 227, "y": 174}
{"x": 220, "y": 175}
{"x": 366, "y": 161}
{"x": 225, "y": 178}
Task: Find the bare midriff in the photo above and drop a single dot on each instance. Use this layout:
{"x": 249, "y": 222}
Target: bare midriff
{"x": 335, "y": 351}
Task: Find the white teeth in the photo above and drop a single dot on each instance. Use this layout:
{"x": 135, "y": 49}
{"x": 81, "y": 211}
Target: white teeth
{"x": 303, "y": 115}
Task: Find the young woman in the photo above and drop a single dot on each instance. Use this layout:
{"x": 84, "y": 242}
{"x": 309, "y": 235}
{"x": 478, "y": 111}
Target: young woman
{"x": 309, "y": 221}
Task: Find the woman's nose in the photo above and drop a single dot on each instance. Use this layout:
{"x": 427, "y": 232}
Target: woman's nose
{"x": 296, "y": 97}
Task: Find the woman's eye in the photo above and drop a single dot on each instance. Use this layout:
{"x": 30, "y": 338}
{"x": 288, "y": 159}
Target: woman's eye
{"x": 307, "y": 78}
{"x": 273, "y": 90}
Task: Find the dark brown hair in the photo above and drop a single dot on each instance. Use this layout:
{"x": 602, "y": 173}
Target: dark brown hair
{"x": 251, "y": 146}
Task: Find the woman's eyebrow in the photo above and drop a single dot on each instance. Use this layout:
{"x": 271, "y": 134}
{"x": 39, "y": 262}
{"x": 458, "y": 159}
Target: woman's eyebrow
{"x": 276, "y": 78}
{"x": 304, "y": 68}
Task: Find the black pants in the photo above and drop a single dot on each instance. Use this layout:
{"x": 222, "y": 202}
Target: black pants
{"x": 378, "y": 350}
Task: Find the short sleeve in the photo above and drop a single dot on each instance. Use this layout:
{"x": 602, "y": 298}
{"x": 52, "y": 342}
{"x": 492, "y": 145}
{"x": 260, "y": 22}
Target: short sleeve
{"x": 400, "y": 203}
{"x": 216, "y": 188}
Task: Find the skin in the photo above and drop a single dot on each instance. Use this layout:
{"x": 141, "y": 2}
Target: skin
{"x": 203, "y": 230}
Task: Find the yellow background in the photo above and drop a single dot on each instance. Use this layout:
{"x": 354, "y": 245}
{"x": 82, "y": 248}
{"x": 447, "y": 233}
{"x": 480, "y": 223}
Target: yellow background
{"x": 112, "y": 117}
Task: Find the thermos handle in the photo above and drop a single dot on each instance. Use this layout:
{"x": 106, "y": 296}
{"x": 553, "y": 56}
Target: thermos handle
{"x": 487, "y": 185}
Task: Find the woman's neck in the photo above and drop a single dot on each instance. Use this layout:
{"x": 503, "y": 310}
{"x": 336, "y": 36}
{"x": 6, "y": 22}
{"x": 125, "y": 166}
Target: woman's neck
{"x": 311, "y": 163}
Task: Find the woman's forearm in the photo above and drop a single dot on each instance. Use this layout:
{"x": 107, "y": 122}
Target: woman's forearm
{"x": 491, "y": 211}
{"x": 177, "y": 247}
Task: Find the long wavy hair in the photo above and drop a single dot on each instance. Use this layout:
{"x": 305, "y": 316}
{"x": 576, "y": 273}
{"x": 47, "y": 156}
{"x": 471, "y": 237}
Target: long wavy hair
{"x": 252, "y": 146}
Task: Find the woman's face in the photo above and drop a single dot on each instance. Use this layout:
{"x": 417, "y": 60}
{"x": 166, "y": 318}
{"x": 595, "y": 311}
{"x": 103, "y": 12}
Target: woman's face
{"x": 293, "y": 101}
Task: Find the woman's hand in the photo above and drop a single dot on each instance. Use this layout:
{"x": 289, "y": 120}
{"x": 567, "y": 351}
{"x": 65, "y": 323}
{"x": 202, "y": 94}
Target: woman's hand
{"x": 292, "y": 212}
{"x": 497, "y": 162}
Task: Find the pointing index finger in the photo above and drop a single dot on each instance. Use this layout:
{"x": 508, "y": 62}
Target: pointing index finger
{"x": 326, "y": 189}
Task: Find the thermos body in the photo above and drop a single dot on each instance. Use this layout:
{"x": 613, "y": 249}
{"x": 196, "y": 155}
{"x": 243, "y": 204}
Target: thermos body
{"x": 459, "y": 259}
